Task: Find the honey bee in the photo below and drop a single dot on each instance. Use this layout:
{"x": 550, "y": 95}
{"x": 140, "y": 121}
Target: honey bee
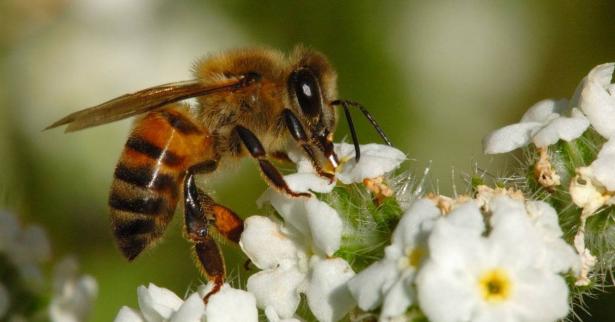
{"x": 250, "y": 102}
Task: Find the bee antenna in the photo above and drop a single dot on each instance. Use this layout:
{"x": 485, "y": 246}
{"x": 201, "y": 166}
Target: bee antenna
{"x": 370, "y": 118}
{"x": 353, "y": 133}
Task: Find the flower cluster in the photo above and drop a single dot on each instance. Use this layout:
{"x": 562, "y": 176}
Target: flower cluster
{"x": 549, "y": 121}
{"x": 349, "y": 251}
{"x": 23, "y": 283}
{"x": 573, "y": 141}
{"x": 297, "y": 256}
{"x": 497, "y": 257}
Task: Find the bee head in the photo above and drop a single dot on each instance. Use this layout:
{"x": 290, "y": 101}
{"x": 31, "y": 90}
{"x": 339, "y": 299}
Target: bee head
{"x": 312, "y": 88}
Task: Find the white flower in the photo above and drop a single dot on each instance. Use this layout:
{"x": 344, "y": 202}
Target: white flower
{"x": 557, "y": 256}
{"x": 159, "y": 304}
{"x": 25, "y": 247}
{"x": 549, "y": 251}
{"x": 313, "y": 218}
{"x": 596, "y": 97}
{"x": 390, "y": 281}
{"x": 295, "y": 258}
{"x": 4, "y": 301}
{"x": 73, "y": 295}
{"x": 504, "y": 276}
{"x": 543, "y": 124}
{"x": 291, "y": 264}
{"x": 602, "y": 168}
{"x": 227, "y": 305}
{"x": 376, "y": 160}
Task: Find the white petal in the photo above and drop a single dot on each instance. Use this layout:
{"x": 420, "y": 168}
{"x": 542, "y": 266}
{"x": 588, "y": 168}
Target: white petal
{"x": 445, "y": 294}
{"x": 272, "y": 316}
{"x": 327, "y": 294}
{"x": 596, "y": 101}
{"x": 560, "y": 257}
{"x": 192, "y": 310}
{"x": 369, "y": 286}
{"x": 325, "y": 226}
{"x": 4, "y": 301}
{"x": 265, "y": 244}
{"x": 278, "y": 289}
{"x": 398, "y": 298}
{"x": 156, "y": 303}
{"x": 305, "y": 179}
{"x": 376, "y": 160}
{"x": 607, "y": 148}
{"x": 513, "y": 240}
{"x": 540, "y": 296}
{"x": 544, "y": 218}
{"x": 577, "y": 113}
{"x": 231, "y": 305}
{"x": 292, "y": 210}
{"x": 603, "y": 168}
{"x": 306, "y": 182}
{"x": 564, "y": 128}
{"x": 312, "y": 217}
{"x": 298, "y": 157}
{"x": 344, "y": 151}
{"x": 467, "y": 216}
{"x": 504, "y": 208}
{"x": 510, "y": 137}
{"x": 416, "y": 223}
{"x": 453, "y": 245}
{"x": 544, "y": 111}
{"x": 127, "y": 314}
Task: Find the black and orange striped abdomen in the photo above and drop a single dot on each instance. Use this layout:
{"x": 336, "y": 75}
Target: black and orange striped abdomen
{"x": 147, "y": 179}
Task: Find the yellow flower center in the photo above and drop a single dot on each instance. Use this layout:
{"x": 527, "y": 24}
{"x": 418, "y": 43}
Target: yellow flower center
{"x": 495, "y": 285}
{"x": 415, "y": 256}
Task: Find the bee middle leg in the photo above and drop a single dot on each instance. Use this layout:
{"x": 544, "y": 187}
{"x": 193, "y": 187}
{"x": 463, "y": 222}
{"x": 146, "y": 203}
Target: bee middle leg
{"x": 271, "y": 174}
{"x": 201, "y": 212}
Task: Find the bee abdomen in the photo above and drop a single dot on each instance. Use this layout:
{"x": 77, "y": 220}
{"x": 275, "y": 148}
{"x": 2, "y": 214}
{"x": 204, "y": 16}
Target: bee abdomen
{"x": 139, "y": 211}
{"x": 147, "y": 178}
{"x": 145, "y": 206}
{"x": 134, "y": 234}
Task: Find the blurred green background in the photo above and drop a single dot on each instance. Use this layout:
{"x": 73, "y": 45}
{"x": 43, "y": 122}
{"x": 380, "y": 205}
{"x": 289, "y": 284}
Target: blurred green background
{"x": 437, "y": 75}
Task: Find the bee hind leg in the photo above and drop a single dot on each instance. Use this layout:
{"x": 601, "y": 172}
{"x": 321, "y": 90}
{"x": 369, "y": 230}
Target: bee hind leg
{"x": 271, "y": 174}
{"x": 202, "y": 212}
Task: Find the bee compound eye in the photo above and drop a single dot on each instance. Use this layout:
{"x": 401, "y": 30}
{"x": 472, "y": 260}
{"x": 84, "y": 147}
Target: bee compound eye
{"x": 202, "y": 232}
{"x": 305, "y": 86}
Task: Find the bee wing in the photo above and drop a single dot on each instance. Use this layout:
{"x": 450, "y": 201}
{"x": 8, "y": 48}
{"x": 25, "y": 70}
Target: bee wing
{"x": 142, "y": 101}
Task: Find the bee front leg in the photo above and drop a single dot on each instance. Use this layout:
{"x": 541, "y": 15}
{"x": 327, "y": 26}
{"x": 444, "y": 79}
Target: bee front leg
{"x": 298, "y": 133}
{"x": 201, "y": 212}
{"x": 270, "y": 173}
